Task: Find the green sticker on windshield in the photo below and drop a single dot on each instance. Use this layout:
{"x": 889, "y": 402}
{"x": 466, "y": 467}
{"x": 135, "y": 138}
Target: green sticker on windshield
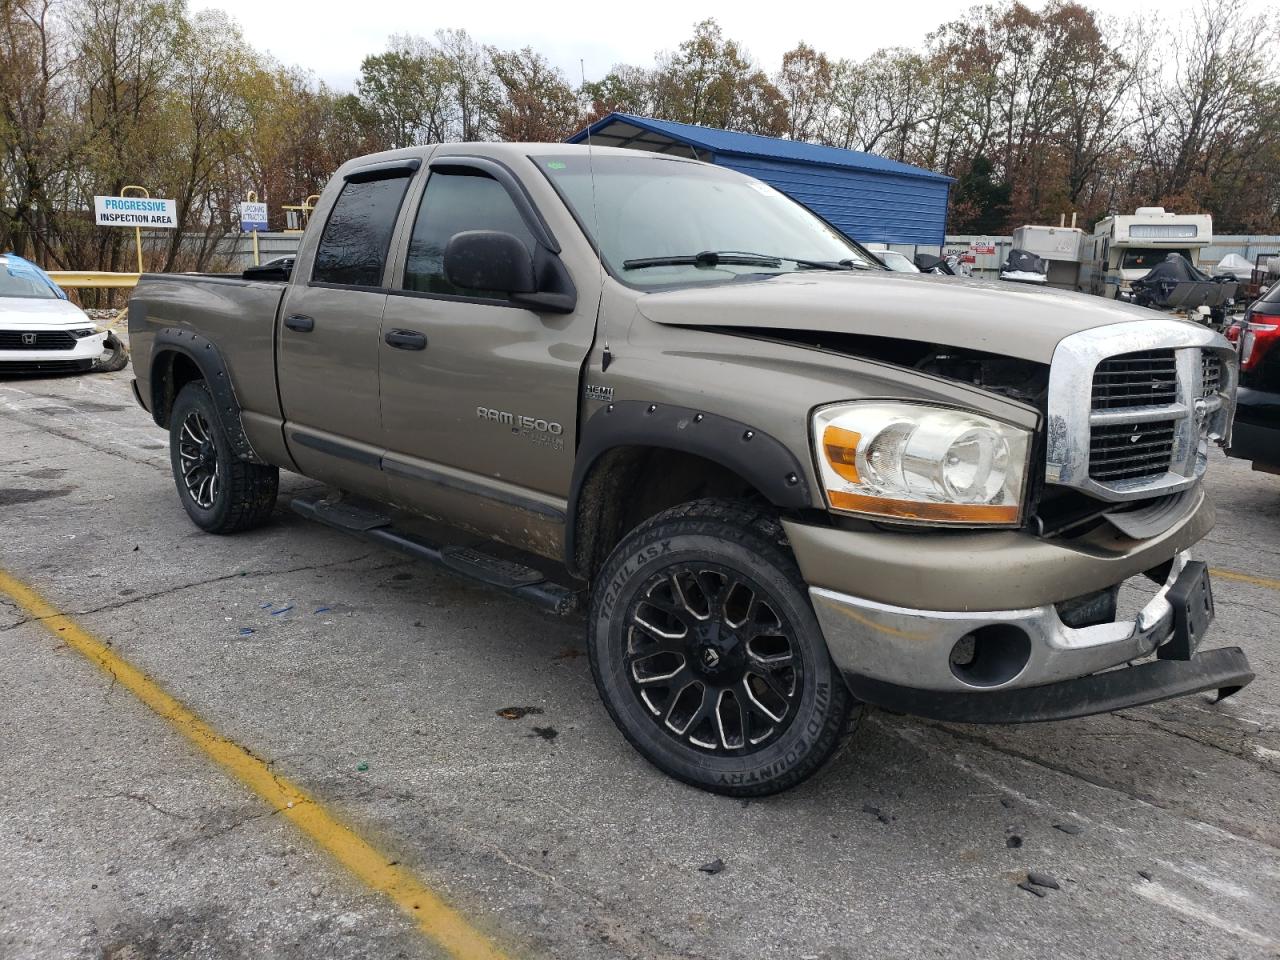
{"x": 555, "y": 165}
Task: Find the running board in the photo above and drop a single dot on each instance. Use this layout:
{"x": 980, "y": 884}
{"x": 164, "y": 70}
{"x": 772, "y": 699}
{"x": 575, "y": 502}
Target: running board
{"x": 507, "y": 575}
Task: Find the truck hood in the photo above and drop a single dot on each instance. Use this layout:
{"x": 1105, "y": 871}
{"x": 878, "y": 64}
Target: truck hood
{"x": 1007, "y": 319}
{"x": 28, "y": 313}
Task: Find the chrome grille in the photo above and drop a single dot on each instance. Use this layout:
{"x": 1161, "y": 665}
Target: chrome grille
{"x": 1133, "y": 407}
{"x": 1145, "y": 379}
{"x": 1210, "y": 374}
{"x": 36, "y": 340}
{"x": 1131, "y": 451}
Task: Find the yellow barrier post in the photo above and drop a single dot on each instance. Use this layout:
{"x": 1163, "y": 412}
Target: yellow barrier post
{"x": 304, "y": 210}
{"x": 137, "y": 231}
{"x": 252, "y": 197}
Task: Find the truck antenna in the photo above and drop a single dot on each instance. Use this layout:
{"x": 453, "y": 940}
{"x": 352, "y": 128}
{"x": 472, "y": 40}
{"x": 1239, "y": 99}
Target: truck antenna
{"x": 606, "y": 357}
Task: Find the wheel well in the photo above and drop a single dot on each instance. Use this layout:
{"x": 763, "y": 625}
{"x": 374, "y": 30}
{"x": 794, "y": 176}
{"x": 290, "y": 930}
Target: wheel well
{"x": 628, "y": 485}
{"x": 171, "y": 372}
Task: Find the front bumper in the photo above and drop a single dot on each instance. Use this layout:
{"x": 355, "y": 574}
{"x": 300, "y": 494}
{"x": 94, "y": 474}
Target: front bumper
{"x": 86, "y": 349}
{"x": 1021, "y": 664}
{"x": 1225, "y": 670}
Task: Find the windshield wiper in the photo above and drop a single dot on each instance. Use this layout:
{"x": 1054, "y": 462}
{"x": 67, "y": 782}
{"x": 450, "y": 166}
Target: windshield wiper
{"x": 707, "y": 258}
{"x": 825, "y": 264}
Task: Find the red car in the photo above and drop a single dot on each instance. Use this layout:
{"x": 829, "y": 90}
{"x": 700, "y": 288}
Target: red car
{"x": 1256, "y": 435}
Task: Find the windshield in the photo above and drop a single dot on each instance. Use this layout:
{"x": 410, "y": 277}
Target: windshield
{"x": 897, "y": 262}
{"x": 1144, "y": 259}
{"x": 18, "y": 278}
{"x": 647, "y": 209}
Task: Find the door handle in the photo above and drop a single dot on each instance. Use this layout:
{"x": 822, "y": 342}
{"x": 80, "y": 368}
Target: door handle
{"x": 300, "y": 323}
{"x": 406, "y": 339}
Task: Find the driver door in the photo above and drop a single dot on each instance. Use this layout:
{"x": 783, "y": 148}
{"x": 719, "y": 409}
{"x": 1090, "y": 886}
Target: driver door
{"x": 479, "y": 395}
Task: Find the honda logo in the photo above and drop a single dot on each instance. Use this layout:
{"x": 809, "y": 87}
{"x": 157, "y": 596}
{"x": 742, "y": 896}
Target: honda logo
{"x": 29, "y": 339}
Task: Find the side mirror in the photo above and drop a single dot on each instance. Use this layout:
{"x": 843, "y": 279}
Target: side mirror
{"x": 489, "y": 260}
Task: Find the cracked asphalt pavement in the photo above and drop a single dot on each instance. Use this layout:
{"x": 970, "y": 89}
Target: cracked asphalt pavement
{"x": 458, "y": 732}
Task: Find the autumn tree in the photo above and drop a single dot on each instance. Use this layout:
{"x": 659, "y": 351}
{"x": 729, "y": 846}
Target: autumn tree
{"x": 711, "y": 80}
{"x": 537, "y": 102}
{"x": 805, "y": 83}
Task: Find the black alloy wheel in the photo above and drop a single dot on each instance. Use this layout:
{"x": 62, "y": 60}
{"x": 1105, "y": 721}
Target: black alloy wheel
{"x": 712, "y": 660}
{"x": 221, "y": 492}
{"x": 708, "y": 655}
{"x": 199, "y": 458}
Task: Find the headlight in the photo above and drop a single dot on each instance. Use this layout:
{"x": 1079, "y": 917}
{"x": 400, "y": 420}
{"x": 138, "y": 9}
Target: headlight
{"x": 905, "y": 461}
{"x": 81, "y": 334}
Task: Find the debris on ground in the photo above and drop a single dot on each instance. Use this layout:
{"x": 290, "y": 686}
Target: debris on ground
{"x": 322, "y": 609}
{"x": 1145, "y": 874}
{"x": 276, "y": 613}
{"x": 362, "y": 767}
{"x": 875, "y": 812}
{"x": 714, "y": 867}
{"x": 515, "y": 713}
{"x": 1068, "y": 828}
{"x": 1013, "y": 841}
{"x": 1006, "y": 803}
{"x": 546, "y": 733}
{"x": 1024, "y": 885}
{"x": 246, "y": 631}
{"x": 1042, "y": 880}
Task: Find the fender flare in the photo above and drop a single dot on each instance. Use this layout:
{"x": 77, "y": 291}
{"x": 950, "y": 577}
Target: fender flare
{"x": 760, "y": 459}
{"x": 213, "y": 367}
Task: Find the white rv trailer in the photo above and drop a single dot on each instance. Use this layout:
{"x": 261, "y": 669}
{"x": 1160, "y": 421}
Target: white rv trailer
{"x": 1124, "y": 247}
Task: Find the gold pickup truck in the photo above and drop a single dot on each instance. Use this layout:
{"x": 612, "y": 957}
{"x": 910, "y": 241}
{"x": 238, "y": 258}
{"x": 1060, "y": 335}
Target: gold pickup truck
{"x": 788, "y": 482}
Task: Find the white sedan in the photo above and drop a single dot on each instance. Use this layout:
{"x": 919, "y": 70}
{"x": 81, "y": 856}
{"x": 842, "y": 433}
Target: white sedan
{"x": 40, "y": 330}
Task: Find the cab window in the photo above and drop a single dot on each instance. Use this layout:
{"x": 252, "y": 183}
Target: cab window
{"x": 456, "y": 200}
{"x": 353, "y": 247}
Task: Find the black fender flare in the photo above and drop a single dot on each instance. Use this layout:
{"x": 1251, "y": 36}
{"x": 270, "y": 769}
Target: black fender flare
{"x": 760, "y": 459}
{"x": 213, "y": 367}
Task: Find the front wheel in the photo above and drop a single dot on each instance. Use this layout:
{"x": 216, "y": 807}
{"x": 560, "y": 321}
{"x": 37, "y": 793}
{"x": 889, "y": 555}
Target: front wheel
{"x": 708, "y": 656}
{"x": 220, "y": 492}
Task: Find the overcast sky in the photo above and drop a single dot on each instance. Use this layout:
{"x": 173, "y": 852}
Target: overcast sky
{"x": 331, "y": 37}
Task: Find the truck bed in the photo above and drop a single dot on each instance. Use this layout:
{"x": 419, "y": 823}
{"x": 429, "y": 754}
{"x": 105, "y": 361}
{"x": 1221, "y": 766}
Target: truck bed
{"x": 239, "y": 315}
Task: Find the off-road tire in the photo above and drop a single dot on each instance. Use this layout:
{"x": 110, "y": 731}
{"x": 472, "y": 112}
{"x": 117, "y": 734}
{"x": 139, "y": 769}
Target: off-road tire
{"x": 245, "y": 492}
{"x": 730, "y": 539}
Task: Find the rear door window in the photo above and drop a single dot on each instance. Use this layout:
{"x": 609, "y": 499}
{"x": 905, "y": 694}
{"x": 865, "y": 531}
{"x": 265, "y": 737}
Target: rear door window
{"x": 454, "y": 201}
{"x": 353, "y": 247}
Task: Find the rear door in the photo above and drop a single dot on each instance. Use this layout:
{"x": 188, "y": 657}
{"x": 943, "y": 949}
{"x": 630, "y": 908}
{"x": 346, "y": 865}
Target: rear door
{"x": 329, "y": 333}
{"x": 479, "y": 410}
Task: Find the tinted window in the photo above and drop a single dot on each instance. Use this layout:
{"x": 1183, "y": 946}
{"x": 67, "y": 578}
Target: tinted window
{"x": 454, "y": 202}
{"x": 353, "y": 247}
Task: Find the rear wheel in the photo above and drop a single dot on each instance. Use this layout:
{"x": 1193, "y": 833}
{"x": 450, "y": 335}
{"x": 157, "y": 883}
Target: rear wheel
{"x": 708, "y": 656}
{"x": 220, "y": 492}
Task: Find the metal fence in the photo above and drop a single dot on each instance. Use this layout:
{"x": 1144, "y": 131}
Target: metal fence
{"x": 987, "y": 265}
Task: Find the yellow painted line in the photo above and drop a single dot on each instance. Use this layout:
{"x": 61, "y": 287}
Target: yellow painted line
{"x": 1246, "y": 578}
{"x": 435, "y": 918}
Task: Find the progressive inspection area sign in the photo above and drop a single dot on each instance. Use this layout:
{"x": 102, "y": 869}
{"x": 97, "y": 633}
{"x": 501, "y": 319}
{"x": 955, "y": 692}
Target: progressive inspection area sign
{"x": 136, "y": 212}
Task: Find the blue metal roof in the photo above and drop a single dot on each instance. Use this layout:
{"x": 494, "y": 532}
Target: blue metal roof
{"x": 768, "y": 148}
